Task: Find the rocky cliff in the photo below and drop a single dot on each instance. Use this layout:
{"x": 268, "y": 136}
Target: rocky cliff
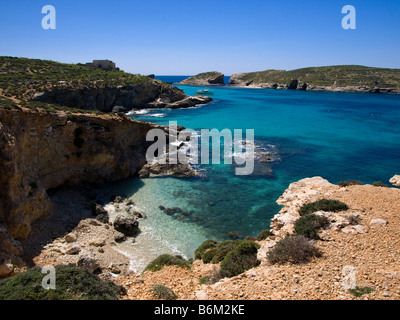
{"x": 205, "y": 79}
{"x": 123, "y": 98}
{"x": 40, "y": 151}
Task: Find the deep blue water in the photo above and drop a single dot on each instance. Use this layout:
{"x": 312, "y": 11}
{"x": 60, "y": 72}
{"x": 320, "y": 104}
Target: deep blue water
{"x": 338, "y": 136}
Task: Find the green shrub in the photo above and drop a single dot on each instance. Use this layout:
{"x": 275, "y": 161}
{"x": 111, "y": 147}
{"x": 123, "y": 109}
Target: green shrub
{"x": 293, "y": 249}
{"x": 167, "y": 260}
{"x": 224, "y": 248}
{"x": 323, "y": 205}
{"x": 360, "y": 291}
{"x": 348, "y": 183}
{"x": 380, "y": 184}
{"x": 209, "y": 255}
{"x": 163, "y": 293}
{"x": 309, "y": 225}
{"x": 204, "y": 280}
{"x": 72, "y": 283}
{"x": 264, "y": 234}
{"x": 242, "y": 258}
{"x": 198, "y": 254}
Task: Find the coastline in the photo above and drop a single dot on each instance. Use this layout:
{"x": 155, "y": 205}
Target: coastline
{"x": 348, "y": 89}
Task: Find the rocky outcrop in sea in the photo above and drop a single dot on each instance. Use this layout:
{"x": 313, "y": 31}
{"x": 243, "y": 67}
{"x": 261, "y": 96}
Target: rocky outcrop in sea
{"x": 205, "y": 79}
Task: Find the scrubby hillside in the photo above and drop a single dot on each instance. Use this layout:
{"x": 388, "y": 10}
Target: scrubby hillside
{"x": 322, "y": 77}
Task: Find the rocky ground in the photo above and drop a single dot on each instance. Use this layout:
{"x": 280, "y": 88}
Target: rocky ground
{"x": 371, "y": 248}
{"x": 80, "y": 233}
{"x": 367, "y": 243}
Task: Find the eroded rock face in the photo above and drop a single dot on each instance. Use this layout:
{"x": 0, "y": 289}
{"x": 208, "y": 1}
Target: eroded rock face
{"x": 108, "y": 99}
{"x": 40, "y": 151}
{"x": 293, "y": 198}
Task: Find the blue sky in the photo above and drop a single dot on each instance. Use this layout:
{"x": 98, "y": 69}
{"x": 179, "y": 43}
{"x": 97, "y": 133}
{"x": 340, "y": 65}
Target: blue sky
{"x": 185, "y": 37}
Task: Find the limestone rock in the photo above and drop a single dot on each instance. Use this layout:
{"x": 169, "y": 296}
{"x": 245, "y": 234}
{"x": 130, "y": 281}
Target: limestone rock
{"x": 5, "y": 269}
{"x": 114, "y": 268}
{"x": 72, "y": 249}
{"x": 70, "y": 237}
{"x": 378, "y": 222}
{"x": 98, "y": 242}
{"x": 127, "y": 226}
{"x": 292, "y": 199}
{"x": 119, "y": 237}
{"x": 395, "y": 181}
{"x": 9, "y": 245}
{"x": 157, "y": 169}
{"x": 88, "y": 261}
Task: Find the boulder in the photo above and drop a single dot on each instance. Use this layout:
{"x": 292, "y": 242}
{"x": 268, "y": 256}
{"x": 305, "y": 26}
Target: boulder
{"x": 97, "y": 242}
{"x": 103, "y": 218}
{"x": 395, "y": 181}
{"x": 378, "y": 222}
{"x": 70, "y": 237}
{"x": 5, "y": 269}
{"x": 72, "y": 249}
{"x": 158, "y": 169}
{"x": 127, "y": 226}
{"x": 88, "y": 261}
{"x": 97, "y": 209}
{"x": 119, "y": 237}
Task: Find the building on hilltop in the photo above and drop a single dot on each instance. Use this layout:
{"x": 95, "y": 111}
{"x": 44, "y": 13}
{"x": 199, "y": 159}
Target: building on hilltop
{"x": 103, "y": 64}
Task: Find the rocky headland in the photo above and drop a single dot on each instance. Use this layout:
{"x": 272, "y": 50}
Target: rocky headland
{"x": 334, "y": 78}
{"x": 363, "y": 238}
{"x": 65, "y": 126}
{"x": 212, "y": 78}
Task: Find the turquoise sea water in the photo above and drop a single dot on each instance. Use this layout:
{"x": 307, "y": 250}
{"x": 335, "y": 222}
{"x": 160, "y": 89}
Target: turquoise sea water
{"x": 338, "y": 136}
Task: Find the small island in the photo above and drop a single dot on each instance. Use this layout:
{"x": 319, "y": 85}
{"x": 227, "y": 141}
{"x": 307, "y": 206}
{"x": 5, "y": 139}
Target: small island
{"x": 205, "y": 79}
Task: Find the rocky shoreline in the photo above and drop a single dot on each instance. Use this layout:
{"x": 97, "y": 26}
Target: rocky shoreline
{"x": 91, "y": 242}
{"x": 368, "y": 246}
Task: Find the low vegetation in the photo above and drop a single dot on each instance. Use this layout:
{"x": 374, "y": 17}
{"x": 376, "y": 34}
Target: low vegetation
{"x": 235, "y": 256}
{"x": 309, "y": 225}
{"x": 380, "y": 184}
{"x": 19, "y": 76}
{"x": 198, "y": 254}
{"x": 205, "y": 75}
{"x": 342, "y": 75}
{"x": 293, "y": 249}
{"x": 167, "y": 260}
{"x": 161, "y": 292}
{"x": 240, "y": 259}
{"x": 348, "y": 183}
{"x": 72, "y": 283}
{"x": 360, "y": 291}
{"x": 264, "y": 234}
{"x": 323, "y": 205}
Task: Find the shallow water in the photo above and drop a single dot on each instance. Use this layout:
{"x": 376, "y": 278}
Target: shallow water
{"x": 338, "y": 136}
